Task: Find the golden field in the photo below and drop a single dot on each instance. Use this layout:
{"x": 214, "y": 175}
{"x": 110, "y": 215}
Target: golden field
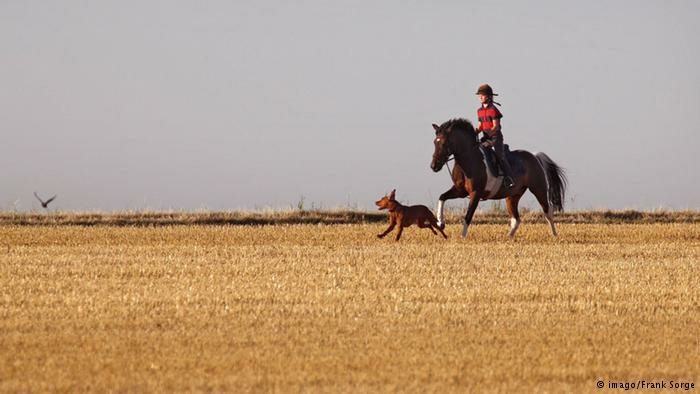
{"x": 331, "y": 308}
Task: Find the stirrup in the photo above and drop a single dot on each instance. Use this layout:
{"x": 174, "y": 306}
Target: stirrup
{"x": 508, "y": 181}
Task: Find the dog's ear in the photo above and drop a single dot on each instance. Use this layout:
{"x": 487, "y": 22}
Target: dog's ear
{"x": 436, "y": 127}
{"x": 392, "y": 194}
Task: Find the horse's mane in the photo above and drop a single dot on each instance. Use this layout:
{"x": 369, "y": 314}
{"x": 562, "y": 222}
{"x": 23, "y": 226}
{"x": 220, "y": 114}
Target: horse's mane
{"x": 458, "y": 124}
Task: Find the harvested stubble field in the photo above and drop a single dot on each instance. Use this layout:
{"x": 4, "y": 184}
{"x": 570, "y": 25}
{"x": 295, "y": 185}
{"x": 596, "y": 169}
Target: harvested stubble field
{"x": 332, "y": 308}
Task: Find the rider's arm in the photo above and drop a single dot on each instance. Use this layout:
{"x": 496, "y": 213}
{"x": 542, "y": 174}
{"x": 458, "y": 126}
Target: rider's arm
{"x": 496, "y": 124}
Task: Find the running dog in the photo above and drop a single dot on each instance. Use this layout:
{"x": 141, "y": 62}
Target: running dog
{"x": 406, "y": 216}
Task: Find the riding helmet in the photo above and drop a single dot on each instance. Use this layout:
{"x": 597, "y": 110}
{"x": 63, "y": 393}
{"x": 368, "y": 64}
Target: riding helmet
{"x": 485, "y": 89}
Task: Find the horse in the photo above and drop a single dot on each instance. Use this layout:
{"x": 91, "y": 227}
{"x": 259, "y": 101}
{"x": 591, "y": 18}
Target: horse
{"x": 471, "y": 178}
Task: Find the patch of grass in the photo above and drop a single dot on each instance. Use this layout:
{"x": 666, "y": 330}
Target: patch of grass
{"x": 300, "y": 215}
{"x": 331, "y": 308}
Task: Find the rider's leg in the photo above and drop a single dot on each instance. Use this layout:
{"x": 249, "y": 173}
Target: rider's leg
{"x": 501, "y": 154}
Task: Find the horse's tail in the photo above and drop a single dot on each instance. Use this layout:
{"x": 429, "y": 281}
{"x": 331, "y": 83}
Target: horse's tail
{"x": 556, "y": 181}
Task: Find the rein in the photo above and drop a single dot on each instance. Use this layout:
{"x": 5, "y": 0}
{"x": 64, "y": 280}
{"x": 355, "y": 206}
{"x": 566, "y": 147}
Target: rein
{"x": 447, "y": 163}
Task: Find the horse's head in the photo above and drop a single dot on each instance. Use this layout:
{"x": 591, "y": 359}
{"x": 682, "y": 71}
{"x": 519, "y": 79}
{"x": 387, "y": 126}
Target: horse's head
{"x": 455, "y": 136}
{"x": 442, "y": 149}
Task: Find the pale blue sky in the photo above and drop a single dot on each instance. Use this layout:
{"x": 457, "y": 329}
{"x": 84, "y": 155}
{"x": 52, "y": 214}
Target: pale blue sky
{"x": 231, "y": 105}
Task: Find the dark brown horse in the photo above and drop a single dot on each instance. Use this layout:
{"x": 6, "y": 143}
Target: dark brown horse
{"x": 537, "y": 173}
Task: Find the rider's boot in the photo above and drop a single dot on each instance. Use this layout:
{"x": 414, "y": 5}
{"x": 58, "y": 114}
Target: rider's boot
{"x": 508, "y": 179}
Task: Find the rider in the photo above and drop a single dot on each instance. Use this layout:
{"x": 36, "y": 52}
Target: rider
{"x": 490, "y": 124}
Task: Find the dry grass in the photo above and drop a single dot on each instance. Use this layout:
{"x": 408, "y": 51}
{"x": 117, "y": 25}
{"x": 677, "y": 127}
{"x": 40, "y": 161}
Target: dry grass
{"x": 332, "y": 308}
{"x": 333, "y": 216}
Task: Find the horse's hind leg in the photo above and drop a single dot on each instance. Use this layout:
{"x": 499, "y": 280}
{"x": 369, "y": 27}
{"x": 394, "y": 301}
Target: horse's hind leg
{"x": 543, "y": 198}
{"x": 550, "y": 219}
{"x": 512, "y": 205}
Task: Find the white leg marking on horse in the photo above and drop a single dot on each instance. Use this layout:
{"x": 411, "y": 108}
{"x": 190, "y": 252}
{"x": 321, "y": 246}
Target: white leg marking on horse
{"x": 514, "y": 224}
{"x": 550, "y": 220}
{"x": 440, "y": 207}
{"x": 464, "y": 229}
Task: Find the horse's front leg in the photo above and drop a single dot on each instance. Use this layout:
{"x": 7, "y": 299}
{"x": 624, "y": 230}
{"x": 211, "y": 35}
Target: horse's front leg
{"x": 453, "y": 193}
{"x": 474, "y": 198}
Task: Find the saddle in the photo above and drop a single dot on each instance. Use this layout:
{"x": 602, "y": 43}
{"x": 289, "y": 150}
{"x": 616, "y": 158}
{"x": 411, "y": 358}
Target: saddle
{"x": 492, "y": 161}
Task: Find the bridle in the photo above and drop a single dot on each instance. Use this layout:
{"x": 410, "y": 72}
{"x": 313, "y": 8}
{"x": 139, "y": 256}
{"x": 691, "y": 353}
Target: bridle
{"x": 449, "y": 157}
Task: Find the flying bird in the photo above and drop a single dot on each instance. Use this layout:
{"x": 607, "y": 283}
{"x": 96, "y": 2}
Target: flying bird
{"x": 44, "y": 204}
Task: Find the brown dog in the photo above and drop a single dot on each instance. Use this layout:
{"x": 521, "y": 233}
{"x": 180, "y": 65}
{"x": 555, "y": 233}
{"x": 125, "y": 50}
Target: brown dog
{"x": 406, "y": 216}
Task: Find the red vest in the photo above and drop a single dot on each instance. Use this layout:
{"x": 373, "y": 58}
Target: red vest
{"x": 487, "y": 115}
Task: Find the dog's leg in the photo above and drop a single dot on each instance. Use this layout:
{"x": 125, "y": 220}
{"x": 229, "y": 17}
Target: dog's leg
{"x": 391, "y": 227}
{"x": 441, "y": 232}
{"x": 432, "y": 222}
{"x": 427, "y": 223}
{"x": 398, "y": 235}
{"x": 423, "y": 223}
{"x": 392, "y": 224}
